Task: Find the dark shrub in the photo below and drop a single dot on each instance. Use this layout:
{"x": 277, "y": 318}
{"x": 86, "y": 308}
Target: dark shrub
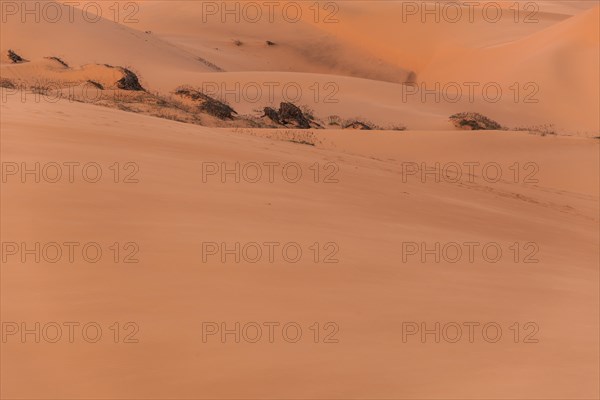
{"x": 96, "y": 84}
{"x": 15, "y": 58}
{"x": 208, "y": 105}
{"x": 129, "y": 81}
{"x": 272, "y": 114}
{"x": 58, "y": 60}
{"x": 355, "y": 124}
{"x": 7, "y": 84}
{"x": 288, "y": 112}
{"x": 474, "y": 121}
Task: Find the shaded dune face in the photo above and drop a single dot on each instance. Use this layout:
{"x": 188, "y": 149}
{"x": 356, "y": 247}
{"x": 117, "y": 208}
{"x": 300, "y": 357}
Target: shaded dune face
{"x": 199, "y": 204}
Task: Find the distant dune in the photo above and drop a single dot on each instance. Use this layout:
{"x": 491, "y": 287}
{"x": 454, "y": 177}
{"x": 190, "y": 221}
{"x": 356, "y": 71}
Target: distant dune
{"x": 355, "y": 66}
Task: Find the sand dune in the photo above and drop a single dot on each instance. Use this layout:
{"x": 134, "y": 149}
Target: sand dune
{"x": 148, "y": 176}
{"x": 101, "y": 42}
{"x": 530, "y": 67}
{"x": 560, "y": 60}
{"x": 369, "y": 293}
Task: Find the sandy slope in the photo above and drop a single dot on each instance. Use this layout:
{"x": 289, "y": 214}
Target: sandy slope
{"x": 381, "y": 31}
{"x": 369, "y": 293}
{"x": 101, "y": 42}
{"x": 561, "y": 60}
{"x": 353, "y": 68}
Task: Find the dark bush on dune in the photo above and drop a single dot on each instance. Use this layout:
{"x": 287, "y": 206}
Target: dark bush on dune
{"x": 217, "y": 109}
{"x": 272, "y": 114}
{"x": 58, "y": 60}
{"x": 15, "y": 58}
{"x": 129, "y": 81}
{"x": 96, "y": 84}
{"x": 7, "y": 84}
{"x": 474, "y": 121}
{"x": 356, "y": 124}
{"x": 288, "y": 113}
{"x": 192, "y": 94}
{"x": 208, "y": 105}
